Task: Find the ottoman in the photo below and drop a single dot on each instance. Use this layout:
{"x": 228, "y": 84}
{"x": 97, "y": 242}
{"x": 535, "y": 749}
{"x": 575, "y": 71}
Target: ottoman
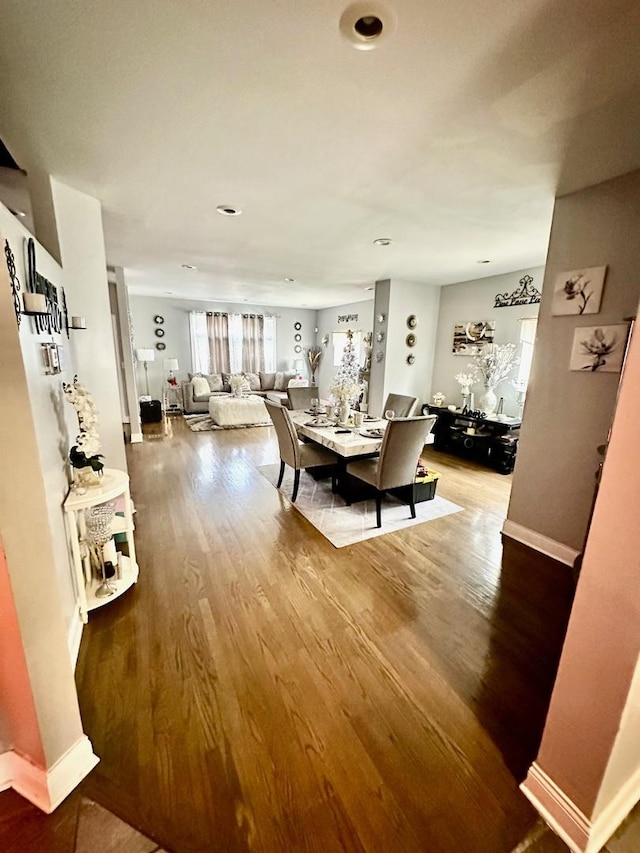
{"x": 238, "y": 411}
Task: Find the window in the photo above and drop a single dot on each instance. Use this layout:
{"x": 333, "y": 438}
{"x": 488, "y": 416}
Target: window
{"x": 235, "y": 342}
{"x": 527, "y": 341}
{"x": 200, "y": 353}
{"x": 270, "y": 353}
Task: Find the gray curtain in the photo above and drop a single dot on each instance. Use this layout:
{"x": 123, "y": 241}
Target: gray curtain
{"x": 218, "y": 330}
{"x": 252, "y": 343}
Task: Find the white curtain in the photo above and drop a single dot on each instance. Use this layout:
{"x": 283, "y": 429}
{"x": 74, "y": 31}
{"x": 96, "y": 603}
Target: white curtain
{"x": 218, "y": 329}
{"x": 235, "y": 342}
{"x": 270, "y": 352}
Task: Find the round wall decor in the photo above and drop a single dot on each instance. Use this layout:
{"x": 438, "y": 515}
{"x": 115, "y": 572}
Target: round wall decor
{"x": 161, "y": 345}
{"x": 411, "y": 359}
{"x": 158, "y": 320}
{"x": 411, "y": 340}
{"x": 159, "y": 333}
{"x": 381, "y": 318}
{"x": 380, "y": 337}
{"x": 297, "y": 348}
{"x": 412, "y": 321}
{"x": 298, "y": 337}
{"x": 297, "y": 326}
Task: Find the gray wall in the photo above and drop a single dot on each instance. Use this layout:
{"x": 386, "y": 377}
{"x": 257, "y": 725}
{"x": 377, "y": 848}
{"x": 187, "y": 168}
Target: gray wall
{"x": 177, "y": 339}
{"x": 327, "y": 322}
{"x": 474, "y": 300}
{"x": 568, "y": 414}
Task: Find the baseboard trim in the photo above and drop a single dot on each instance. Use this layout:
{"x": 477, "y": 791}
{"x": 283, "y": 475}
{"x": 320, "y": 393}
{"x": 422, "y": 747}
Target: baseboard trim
{"x": 538, "y": 542}
{"x": 553, "y": 805}
{"x": 74, "y": 637}
{"x": 46, "y": 789}
{"x": 612, "y": 815}
{"x": 136, "y": 438}
{"x": 5, "y": 770}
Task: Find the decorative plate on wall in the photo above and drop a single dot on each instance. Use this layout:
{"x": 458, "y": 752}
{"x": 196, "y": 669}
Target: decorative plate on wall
{"x": 297, "y": 348}
{"x": 297, "y": 326}
{"x": 381, "y": 318}
{"x": 158, "y": 320}
{"x": 412, "y": 321}
{"x": 411, "y": 359}
{"x": 161, "y": 345}
{"x": 297, "y": 337}
{"x": 411, "y": 340}
{"x": 159, "y": 333}
{"x": 380, "y": 337}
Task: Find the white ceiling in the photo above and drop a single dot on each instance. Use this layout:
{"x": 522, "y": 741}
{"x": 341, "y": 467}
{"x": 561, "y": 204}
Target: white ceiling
{"x": 451, "y": 138}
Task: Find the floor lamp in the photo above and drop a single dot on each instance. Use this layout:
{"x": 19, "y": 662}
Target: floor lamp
{"x": 145, "y": 356}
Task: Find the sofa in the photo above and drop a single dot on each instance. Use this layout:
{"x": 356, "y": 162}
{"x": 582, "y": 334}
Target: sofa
{"x": 196, "y": 395}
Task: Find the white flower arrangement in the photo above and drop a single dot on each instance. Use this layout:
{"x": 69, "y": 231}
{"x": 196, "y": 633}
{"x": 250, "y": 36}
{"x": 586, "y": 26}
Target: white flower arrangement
{"x": 465, "y": 381}
{"x": 494, "y": 363}
{"x": 85, "y": 453}
{"x": 344, "y": 390}
{"x": 237, "y": 382}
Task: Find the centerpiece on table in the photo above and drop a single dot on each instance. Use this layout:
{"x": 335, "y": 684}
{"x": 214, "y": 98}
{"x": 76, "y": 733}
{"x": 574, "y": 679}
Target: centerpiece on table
{"x": 238, "y": 383}
{"x": 345, "y": 388}
{"x": 84, "y": 456}
{"x": 493, "y": 364}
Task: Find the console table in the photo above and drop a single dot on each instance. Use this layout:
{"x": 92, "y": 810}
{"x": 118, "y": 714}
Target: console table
{"x": 489, "y": 440}
{"x": 114, "y": 485}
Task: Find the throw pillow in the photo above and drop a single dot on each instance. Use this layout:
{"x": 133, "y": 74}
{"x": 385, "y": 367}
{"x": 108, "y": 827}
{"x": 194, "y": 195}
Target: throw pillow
{"x": 191, "y": 375}
{"x": 283, "y": 379}
{"x": 215, "y": 382}
{"x": 200, "y": 386}
{"x": 267, "y": 381}
{"x": 254, "y": 381}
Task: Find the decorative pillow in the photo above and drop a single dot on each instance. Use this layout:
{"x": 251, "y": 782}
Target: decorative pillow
{"x": 191, "y": 375}
{"x": 267, "y": 381}
{"x": 225, "y": 382}
{"x": 200, "y": 386}
{"x": 283, "y": 379}
{"x": 215, "y": 382}
{"x": 254, "y": 381}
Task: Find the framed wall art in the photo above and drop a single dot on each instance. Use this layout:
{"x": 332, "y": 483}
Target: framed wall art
{"x": 470, "y": 338}
{"x": 599, "y": 348}
{"x": 578, "y": 291}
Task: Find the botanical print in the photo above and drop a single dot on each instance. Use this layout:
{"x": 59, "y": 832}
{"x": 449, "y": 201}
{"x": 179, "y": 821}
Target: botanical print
{"x": 578, "y": 291}
{"x": 598, "y": 348}
{"x": 470, "y": 338}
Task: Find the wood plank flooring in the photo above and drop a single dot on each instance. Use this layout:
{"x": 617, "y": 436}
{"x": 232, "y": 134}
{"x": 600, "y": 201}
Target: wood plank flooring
{"x": 260, "y": 690}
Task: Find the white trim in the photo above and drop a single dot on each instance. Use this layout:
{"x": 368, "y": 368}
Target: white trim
{"x": 562, "y": 815}
{"x": 74, "y": 637}
{"x": 612, "y": 815}
{"x": 46, "y": 789}
{"x": 5, "y": 770}
{"x": 136, "y": 438}
{"x": 549, "y": 547}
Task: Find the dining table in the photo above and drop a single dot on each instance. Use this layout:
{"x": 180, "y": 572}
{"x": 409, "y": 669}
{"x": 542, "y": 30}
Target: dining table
{"x": 348, "y": 442}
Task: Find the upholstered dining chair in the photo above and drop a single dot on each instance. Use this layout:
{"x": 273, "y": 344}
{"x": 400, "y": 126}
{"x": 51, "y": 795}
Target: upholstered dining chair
{"x": 294, "y": 452}
{"x": 402, "y": 445}
{"x": 300, "y": 397}
{"x": 400, "y": 404}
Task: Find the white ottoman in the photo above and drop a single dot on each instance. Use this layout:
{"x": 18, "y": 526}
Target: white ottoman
{"x": 238, "y": 411}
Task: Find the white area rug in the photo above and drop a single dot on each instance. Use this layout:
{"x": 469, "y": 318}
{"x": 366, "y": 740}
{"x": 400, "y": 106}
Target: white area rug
{"x": 203, "y": 423}
{"x": 344, "y": 525}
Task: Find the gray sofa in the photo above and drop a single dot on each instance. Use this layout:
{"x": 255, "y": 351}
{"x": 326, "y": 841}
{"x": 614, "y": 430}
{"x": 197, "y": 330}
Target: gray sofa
{"x": 270, "y": 385}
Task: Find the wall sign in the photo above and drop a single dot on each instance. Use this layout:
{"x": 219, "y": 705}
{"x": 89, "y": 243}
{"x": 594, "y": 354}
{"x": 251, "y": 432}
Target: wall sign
{"x": 52, "y": 321}
{"x": 347, "y": 318}
{"x": 526, "y": 294}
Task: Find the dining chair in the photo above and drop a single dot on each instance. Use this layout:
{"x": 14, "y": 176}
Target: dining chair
{"x": 300, "y": 397}
{"x": 294, "y": 452}
{"x": 401, "y": 448}
{"x": 401, "y": 404}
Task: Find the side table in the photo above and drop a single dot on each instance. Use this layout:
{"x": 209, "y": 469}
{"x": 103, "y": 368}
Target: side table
{"x": 172, "y": 403}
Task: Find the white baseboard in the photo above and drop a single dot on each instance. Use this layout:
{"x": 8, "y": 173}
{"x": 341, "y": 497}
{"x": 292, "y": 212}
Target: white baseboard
{"x": 5, "y": 770}
{"x": 549, "y": 547}
{"x": 136, "y": 438}
{"x": 581, "y": 834}
{"x": 46, "y": 789}
{"x": 74, "y": 636}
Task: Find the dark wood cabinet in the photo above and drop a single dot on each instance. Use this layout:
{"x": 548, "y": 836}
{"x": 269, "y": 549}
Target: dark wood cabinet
{"x": 489, "y": 440}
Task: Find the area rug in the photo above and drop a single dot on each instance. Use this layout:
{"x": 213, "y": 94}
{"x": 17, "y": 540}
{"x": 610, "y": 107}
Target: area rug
{"x": 344, "y": 525}
{"x": 204, "y": 423}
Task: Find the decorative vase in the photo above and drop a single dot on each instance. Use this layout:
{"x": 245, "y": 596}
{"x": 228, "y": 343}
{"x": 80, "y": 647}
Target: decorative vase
{"x": 343, "y": 412}
{"x": 488, "y": 401}
{"x": 84, "y": 478}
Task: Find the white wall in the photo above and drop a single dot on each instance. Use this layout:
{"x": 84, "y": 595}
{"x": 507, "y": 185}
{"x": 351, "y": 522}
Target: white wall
{"x": 474, "y": 300}
{"x": 327, "y": 323}
{"x": 177, "y": 339}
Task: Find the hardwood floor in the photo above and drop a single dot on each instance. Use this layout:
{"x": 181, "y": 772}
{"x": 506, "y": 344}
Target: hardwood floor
{"x": 260, "y": 690}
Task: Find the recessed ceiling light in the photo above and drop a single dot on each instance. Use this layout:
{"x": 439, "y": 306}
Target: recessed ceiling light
{"x": 366, "y": 22}
{"x": 227, "y": 210}
{"x": 382, "y": 241}
{"x": 188, "y": 267}
{"x": 290, "y": 279}
{"x": 369, "y": 288}
{"x": 483, "y": 262}
{"x": 19, "y": 213}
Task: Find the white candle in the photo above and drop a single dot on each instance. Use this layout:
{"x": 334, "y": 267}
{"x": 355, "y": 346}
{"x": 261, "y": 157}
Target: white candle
{"x": 109, "y": 552}
{"x": 35, "y": 302}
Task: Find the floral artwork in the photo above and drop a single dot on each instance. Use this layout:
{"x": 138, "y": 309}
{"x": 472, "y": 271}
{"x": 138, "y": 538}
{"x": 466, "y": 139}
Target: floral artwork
{"x": 85, "y": 452}
{"x": 578, "y": 291}
{"x": 598, "y": 348}
{"x": 470, "y": 338}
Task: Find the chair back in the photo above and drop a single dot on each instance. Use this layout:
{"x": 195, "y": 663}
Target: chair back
{"x": 402, "y": 445}
{"x": 401, "y": 404}
{"x": 301, "y": 396}
{"x": 287, "y": 437}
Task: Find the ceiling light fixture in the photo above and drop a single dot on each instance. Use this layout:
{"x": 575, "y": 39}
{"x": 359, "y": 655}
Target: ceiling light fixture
{"x": 188, "y": 267}
{"x": 365, "y": 23}
{"x": 227, "y": 210}
{"x": 483, "y": 262}
{"x": 369, "y": 288}
{"x": 382, "y": 241}
{"x": 290, "y": 280}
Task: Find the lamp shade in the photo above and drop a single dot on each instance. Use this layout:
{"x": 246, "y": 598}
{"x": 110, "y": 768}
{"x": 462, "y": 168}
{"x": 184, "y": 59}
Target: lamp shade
{"x": 145, "y": 354}
{"x": 171, "y": 364}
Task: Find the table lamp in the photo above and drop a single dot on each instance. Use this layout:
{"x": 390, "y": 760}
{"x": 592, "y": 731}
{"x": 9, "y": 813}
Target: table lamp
{"x": 145, "y": 356}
